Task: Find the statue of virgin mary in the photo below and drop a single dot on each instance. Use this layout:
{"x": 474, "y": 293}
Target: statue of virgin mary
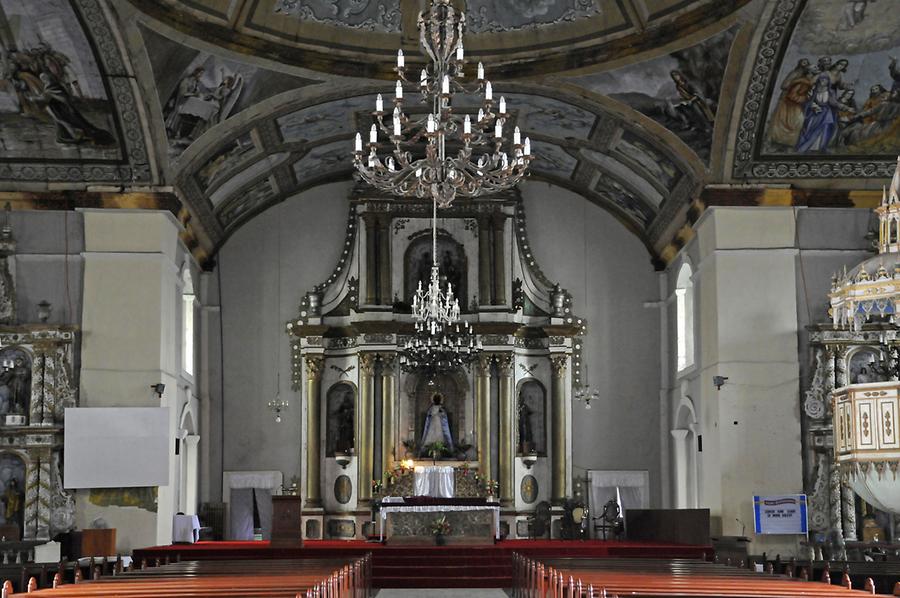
{"x": 437, "y": 427}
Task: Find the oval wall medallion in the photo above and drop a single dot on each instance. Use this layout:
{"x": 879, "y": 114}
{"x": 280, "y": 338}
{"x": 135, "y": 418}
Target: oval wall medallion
{"x": 343, "y": 489}
{"x": 528, "y": 489}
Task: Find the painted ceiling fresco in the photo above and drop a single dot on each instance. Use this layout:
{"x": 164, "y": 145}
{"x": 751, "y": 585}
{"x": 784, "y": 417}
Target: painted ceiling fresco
{"x": 197, "y": 90}
{"x": 824, "y": 98}
{"x": 680, "y": 91}
{"x": 365, "y": 32}
{"x": 58, "y": 119}
{"x": 838, "y": 89}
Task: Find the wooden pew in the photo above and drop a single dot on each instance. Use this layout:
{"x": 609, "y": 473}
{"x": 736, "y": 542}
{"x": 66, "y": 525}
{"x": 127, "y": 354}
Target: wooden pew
{"x": 591, "y": 578}
{"x": 306, "y": 578}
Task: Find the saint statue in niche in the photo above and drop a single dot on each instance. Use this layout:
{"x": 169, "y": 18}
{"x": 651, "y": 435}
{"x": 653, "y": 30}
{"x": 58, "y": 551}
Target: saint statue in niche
{"x": 15, "y": 381}
{"x": 345, "y": 425}
{"x": 437, "y": 425}
{"x": 526, "y": 437}
{"x": 12, "y": 500}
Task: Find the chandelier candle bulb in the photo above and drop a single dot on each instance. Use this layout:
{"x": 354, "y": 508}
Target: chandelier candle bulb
{"x": 423, "y": 78}
{"x": 459, "y": 52}
{"x": 379, "y": 103}
{"x": 488, "y": 91}
{"x": 480, "y": 71}
{"x": 467, "y": 126}
{"x": 396, "y": 126}
{"x": 498, "y": 130}
{"x": 430, "y": 125}
{"x": 373, "y": 135}
{"x": 527, "y": 148}
{"x": 502, "y": 105}
{"x": 401, "y": 61}
{"x": 517, "y": 137}
{"x": 480, "y": 115}
{"x": 357, "y": 146}
{"x": 445, "y": 85}
{"x": 398, "y": 91}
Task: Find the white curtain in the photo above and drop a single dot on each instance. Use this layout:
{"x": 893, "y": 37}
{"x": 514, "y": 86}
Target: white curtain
{"x": 241, "y": 514}
{"x": 630, "y": 490}
{"x": 433, "y": 481}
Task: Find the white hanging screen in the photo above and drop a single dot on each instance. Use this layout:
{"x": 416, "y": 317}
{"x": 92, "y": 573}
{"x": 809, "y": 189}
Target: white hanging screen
{"x": 117, "y": 447}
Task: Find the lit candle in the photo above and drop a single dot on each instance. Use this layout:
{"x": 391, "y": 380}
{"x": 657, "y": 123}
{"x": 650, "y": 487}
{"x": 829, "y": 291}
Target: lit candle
{"x": 373, "y": 135}
{"x": 502, "y": 105}
{"x": 480, "y": 71}
{"x": 401, "y": 62}
{"x": 467, "y": 126}
{"x": 488, "y": 91}
{"x": 379, "y": 103}
{"x": 358, "y": 145}
{"x": 517, "y": 137}
{"x": 445, "y": 85}
{"x": 527, "y": 149}
{"x": 480, "y": 115}
{"x": 430, "y": 125}
{"x": 498, "y": 129}
{"x": 396, "y": 126}
{"x": 459, "y": 52}
{"x": 399, "y": 90}
{"x": 423, "y": 78}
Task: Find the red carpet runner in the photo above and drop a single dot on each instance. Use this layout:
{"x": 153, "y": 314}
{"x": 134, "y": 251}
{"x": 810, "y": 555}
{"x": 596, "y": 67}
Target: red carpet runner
{"x": 427, "y": 566}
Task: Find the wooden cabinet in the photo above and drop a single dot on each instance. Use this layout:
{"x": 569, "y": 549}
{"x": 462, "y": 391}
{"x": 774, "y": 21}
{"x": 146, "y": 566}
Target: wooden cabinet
{"x": 286, "y": 528}
{"x": 98, "y": 542}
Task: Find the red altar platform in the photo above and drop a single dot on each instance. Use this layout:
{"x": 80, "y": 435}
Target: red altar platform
{"x": 429, "y": 566}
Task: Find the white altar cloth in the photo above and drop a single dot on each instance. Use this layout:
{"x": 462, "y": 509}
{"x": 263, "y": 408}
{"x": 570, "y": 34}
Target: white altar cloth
{"x": 437, "y": 509}
{"x": 433, "y": 481}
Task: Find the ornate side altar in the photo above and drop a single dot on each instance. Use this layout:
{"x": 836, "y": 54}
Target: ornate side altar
{"x": 508, "y": 413}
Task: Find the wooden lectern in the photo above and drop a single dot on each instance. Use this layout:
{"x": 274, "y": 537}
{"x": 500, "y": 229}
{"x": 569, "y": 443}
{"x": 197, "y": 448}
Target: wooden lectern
{"x": 286, "y": 525}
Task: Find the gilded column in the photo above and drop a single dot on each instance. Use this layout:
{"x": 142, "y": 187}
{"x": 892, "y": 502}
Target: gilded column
{"x": 384, "y": 260}
{"x": 370, "y": 221}
{"x": 507, "y": 429}
{"x": 484, "y": 261}
{"x": 558, "y": 427}
{"x": 388, "y": 412}
{"x": 499, "y": 222}
{"x": 365, "y": 427}
{"x": 483, "y": 413}
{"x": 314, "y": 365}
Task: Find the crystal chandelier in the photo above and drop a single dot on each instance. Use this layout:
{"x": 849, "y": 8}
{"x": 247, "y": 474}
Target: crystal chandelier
{"x": 464, "y": 154}
{"x": 442, "y": 342}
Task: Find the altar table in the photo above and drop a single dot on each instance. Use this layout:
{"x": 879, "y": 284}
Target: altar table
{"x": 391, "y": 506}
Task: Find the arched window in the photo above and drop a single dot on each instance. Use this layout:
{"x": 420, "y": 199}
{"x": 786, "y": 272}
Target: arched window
{"x": 187, "y": 323}
{"x": 684, "y": 317}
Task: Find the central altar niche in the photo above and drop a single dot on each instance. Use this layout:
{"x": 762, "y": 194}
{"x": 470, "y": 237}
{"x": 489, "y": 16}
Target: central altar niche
{"x": 418, "y": 400}
{"x": 507, "y": 415}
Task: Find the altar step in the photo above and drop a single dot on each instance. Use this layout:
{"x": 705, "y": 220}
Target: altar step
{"x": 442, "y": 568}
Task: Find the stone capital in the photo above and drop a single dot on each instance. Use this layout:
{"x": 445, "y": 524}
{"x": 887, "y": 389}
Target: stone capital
{"x": 367, "y": 363}
{"x": 559, "y": 363}
{"x": 314, "y": 366}
{"x": 505, "y": 363}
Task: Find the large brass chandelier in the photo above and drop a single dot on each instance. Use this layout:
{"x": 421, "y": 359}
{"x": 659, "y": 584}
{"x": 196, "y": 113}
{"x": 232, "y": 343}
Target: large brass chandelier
{"x": 465, "y": 154}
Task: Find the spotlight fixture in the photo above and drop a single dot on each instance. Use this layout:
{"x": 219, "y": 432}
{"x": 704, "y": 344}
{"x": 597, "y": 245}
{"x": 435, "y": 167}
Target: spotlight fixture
{"x": 159, "y": 388}
{"x": 719, "y": 381}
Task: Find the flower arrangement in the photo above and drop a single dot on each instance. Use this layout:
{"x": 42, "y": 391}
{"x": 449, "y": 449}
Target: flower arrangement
{"x": 440, "y": 526}
{"x": 436, "y": 449}
{"x": 491, "y": 487}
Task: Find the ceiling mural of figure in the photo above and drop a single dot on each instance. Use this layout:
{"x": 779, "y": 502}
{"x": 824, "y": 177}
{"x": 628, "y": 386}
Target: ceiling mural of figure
{"x": 679, "y": 91}
{"x": 841, "y": 54}
{"x": 53, "y": 101}
{"x": 198, "y": 90}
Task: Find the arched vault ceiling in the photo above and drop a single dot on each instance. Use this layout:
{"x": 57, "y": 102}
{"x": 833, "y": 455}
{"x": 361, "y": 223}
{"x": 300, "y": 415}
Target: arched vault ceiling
{"x": 600, "y": 149}
{"x": 359, "y": 38}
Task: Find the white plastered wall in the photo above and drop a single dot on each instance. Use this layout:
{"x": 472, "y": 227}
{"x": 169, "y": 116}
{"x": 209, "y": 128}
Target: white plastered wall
{"x": 131, "y": 339}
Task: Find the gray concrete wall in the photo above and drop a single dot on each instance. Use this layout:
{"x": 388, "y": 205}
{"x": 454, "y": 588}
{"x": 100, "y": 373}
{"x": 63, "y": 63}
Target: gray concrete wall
{"x": 310, "y": 231}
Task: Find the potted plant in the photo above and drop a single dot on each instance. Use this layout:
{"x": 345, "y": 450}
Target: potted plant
{"x": 409, "y": 445}
{"x": 439, "y": 529}
{"x": 436, "y": 449}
